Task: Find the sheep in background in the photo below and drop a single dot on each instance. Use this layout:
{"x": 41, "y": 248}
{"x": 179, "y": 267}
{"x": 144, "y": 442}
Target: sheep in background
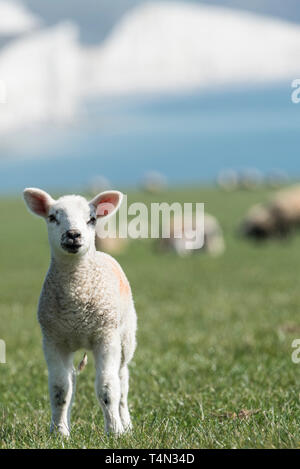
{"x": 113, "y": 246}
{"x": 213, "y": 237}
{"x": 276, "y": 179}
{"x": 231, "y": 180}
{"x": 98, "y": 184}
{"x": 250, "y": 179}
{"x": 286, "y": 207}
{"x": 154, "y": 182}
{"x": 259, "y": 223}
{"x": 228, "y": 180}
{"x": 276, "y": 219}
{"x": 214, "y": 242}
{"x": 86, "y": 302}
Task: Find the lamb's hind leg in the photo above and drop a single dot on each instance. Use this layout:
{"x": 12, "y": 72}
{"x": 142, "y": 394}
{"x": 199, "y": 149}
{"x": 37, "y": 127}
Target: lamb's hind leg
{"x": 61, "y": 387}
{"x": 108, "y": 359}
{"x": 124, "y": 411}
{"x": 128, "y": 348}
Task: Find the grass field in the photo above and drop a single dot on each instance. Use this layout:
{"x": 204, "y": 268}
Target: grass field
{"x": 214, "y": 341}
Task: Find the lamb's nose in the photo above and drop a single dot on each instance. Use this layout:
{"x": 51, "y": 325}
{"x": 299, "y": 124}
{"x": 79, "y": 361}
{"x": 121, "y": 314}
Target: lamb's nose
{"x": 73, "y": 234}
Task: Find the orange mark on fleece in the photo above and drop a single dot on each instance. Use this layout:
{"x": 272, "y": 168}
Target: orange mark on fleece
{"x": 124, "y": 285}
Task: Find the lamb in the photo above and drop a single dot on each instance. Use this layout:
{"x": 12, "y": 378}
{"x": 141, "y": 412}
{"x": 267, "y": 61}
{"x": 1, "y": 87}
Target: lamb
{"x": 275, "y": 219}
{"x": 86, "y": 302}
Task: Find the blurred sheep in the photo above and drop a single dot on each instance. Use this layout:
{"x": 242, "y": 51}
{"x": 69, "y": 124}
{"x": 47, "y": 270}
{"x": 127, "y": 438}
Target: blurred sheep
{"x": 276, "y": 219}
{"x": 213, "y": 237}
{"x": 113, "y": 246}
{"x": 259, "y": 223}
{"x": 251, "y": 179}
{"x": 277, "y": 178}
{"x": 228, "y": 180}
{"x": 98, "y": 184}
{"x": 154, "y": 182}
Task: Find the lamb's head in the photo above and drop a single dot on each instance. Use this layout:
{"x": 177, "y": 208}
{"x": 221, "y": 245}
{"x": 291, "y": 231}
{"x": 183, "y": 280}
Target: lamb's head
{"x": 71, "y": 220}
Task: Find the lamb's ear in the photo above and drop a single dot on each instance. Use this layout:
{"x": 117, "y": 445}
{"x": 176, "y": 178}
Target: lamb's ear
{"x": 107, "y": 203}
{"x": 38, "y": 201}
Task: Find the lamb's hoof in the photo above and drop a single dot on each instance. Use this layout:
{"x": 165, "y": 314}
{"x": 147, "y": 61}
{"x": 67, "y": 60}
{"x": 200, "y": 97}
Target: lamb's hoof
{"x": 116, "y": 430}
{"x": 127, "y": 426}
{"x": 60, "y": 430}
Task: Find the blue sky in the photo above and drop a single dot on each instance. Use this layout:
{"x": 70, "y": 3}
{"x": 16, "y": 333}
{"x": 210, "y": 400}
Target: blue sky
{"x": 96, "y": 17}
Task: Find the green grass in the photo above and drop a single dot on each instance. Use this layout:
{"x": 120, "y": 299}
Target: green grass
{"x": 214, "y": 338}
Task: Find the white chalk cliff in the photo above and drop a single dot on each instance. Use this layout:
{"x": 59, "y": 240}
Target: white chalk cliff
{"x": 156, "y": 47}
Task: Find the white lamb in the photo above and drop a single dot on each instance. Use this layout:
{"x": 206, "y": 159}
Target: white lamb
{"x": 86, "y": 302}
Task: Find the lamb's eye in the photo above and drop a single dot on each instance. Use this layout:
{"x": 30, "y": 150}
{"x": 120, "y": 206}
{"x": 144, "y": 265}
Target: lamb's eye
{"x": 52, "y": 219}
{"x": 92, "y": 221}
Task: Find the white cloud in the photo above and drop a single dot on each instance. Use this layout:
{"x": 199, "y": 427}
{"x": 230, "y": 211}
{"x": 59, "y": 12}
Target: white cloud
{"x": 15, "y": 18}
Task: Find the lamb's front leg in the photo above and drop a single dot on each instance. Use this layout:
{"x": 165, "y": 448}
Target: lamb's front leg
{"x": 107, "y": 359}
{"x": 61, "y": 386}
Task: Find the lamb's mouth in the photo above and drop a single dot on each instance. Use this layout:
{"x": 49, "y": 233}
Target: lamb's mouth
{"x": 71, "y": 248}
